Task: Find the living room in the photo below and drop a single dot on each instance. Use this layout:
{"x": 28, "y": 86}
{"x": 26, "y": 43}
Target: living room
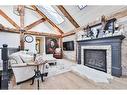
{"x": 63, "y": 47}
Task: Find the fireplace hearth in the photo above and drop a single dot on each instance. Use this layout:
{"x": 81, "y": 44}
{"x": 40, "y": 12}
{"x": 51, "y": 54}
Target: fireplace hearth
{"x": 95, "y": 59}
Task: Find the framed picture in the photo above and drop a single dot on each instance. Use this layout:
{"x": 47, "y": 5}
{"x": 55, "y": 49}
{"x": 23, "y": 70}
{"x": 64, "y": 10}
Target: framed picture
{"x": 51, "y": 44}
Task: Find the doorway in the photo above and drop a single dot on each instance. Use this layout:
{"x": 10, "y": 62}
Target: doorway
{"x": 38, "y": 45}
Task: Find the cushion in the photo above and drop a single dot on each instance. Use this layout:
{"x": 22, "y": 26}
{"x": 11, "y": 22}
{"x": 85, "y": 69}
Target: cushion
{"x": 13, "y": 61}
{"x": 39, "y": 60}
{"x": 16, "y": 57}
{"x": 26, "y": 58}
{"x": 21, "y": 57}
{"x": 58, "y": 50}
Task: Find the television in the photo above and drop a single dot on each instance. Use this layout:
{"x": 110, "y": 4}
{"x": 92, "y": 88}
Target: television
{"x": 68, "y": 46}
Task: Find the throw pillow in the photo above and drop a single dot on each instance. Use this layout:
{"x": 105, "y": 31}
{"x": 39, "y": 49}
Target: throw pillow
{"x": 39, "y": 60}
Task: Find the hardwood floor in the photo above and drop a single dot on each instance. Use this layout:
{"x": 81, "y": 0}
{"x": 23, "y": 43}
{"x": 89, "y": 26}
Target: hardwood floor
{"x": 70, "y": 80}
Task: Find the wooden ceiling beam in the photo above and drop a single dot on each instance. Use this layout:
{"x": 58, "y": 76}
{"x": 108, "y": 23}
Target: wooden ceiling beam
{"x": 119, "y": 14}
{"x": 6, "y": 29}
{"x": 68, "y": 34}
{"x": 43, "y": 15}
{"x": 42, "y": 34}
{"x": 28, "y": 27}
{"x": 9, "y": 19}
{"x": 11, "y": 30}
{"x": 68, "y": 16}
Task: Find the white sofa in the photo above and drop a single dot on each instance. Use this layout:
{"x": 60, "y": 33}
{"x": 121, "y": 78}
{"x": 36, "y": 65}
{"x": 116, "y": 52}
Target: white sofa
{"x": 20, "y": 69}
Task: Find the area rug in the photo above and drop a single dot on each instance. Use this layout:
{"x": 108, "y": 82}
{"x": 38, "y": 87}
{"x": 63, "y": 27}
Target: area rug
{"x": 63, "y": 66}
{"x": 59, "y": 68}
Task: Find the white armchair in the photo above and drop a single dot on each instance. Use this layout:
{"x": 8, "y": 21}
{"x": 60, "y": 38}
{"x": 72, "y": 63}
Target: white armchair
{"x": 19, "y": 66}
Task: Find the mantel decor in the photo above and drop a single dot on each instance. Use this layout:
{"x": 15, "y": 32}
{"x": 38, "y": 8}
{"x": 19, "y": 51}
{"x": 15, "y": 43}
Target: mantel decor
{"x": 105, "y": 28}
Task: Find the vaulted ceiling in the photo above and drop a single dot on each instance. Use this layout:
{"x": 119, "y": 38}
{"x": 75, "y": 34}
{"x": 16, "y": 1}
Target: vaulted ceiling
{"x": 36, "y": 22}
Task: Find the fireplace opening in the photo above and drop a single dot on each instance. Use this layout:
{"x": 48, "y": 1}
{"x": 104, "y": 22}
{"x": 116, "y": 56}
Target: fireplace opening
{"x": 95, "y": 59}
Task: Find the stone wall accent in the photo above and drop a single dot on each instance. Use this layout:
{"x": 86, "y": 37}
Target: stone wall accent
{"x": 71, "y": 55}
{"x": 124, "y": 55}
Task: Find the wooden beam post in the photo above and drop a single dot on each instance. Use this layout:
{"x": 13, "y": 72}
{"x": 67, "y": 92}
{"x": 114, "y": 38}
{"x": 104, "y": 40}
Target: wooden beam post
{"x": 68, "y": 16}
{"x": 22, "y": 12}
{"x": 28, "y": 27}
{"x": 43, "y": 15}
{"x": 9, "y": 19}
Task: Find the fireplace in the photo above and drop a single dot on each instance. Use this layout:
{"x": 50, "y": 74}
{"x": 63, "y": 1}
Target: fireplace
{"x": 95, "y": 59}
{"x": 103, "y": 54}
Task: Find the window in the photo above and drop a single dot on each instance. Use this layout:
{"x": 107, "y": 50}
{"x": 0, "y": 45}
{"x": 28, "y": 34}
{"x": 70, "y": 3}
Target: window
{"x": 51, "y": 13}
{"x": 81, "y": 6}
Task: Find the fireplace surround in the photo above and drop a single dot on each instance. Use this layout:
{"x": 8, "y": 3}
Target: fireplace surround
{"x": 112, "y": 47}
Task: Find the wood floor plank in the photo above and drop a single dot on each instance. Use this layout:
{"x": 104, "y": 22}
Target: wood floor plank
{"x": 70, "y": 80}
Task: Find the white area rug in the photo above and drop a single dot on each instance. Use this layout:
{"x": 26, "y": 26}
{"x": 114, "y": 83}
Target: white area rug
{"x": 92, "y": 74}
{"x": 62, "y": 66}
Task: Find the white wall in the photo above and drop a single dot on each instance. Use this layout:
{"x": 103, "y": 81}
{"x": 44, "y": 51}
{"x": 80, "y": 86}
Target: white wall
{"x": 31, "y": 46}
{"x": 44, "y": 27}
{"x": 11, "y": 39}
{"x": 70, "y": 54}
{"x": 30, "y": 17}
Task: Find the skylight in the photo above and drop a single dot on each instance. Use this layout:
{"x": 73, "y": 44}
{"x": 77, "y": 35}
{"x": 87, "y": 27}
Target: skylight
{"x": 51, "y": 13}
{"x": 81, "y": 6}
